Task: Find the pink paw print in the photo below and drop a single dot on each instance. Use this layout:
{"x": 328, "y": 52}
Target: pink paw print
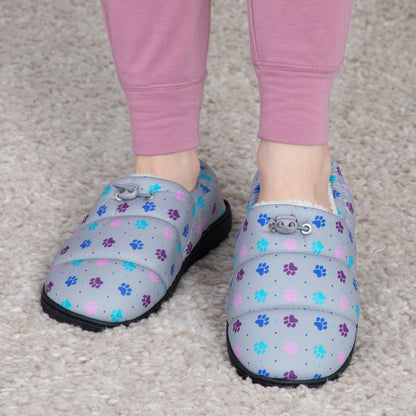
{"x": 243, "y": 250}
{"x": 290, "y": 295}
{"x": 75, "y": 233}
{"x": 91, "y": 308}
{"x": 102, "y": 262}
{"x": 237, "y": 352}
{"x": 154, "y": 277}
{"x": 168, "y": 233}
{"x": 343, "y": 303}
{"x": 237, "y": 300}
{"x": 201, "y": 226}
{"x": 341, "y": 357}
{"x": 339, "y": 252}
{"x": 180, "y": 196}
{"x": 291, "y": 244}
{"x": 291, "y": 348}
{"x": 56, "y": 267}
{"x": 116, "y": 223}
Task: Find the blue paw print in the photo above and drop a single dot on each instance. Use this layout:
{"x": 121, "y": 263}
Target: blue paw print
{"x": 263, "y": 219}
{"x": 317, "y": 247}
{"x": 335, "y": 194}
{"x": 93, "y": 226}
{"x": 116, "y": 315}
{"x": 317, "y": 376}
{"x": 319, "y": 298}
{"x": 85, "y": 244}
{"x": 320, "y": 271}
{"x": 260, "y": 347}
{"x": 262, "y": 245}
{"x": 351, "y": 237}
{"x": 185, "y": 230}
{"x": 262, "y": 320}
{"x": 256, "y": 189}
{"x": 354, "y": 282}
{"x": 149, "y": 206}
{"x": 200, "y": 202}
{"x": 125, "y": 289}
{"x": 321, "y": 324}
{"x": 72, "y": 280}
{"x": 77, "y": 262}
{"x": 107, "y": 190}
{"x": 172, "y": 269}
{"x": 204, "y": 188}
{"x": 137, "y": 245}
{"x": 262, "y": 268}
{"x": 129, "y": 266}
{"x": 101, "y": 210}
{"x": 263, "y": 373}
{"x": 319, "y": 351}
{"x": 154, "y": 189}
{"x": 67, "y": 304}
{"x": 350, "y": 262}
{"x": 319, "y": 221}
{"x": 261, "y": 296}
{"x": 141, "y": 224}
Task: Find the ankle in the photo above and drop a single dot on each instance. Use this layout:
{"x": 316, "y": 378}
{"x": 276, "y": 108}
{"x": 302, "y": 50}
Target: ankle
{"x": 180, "y": 167}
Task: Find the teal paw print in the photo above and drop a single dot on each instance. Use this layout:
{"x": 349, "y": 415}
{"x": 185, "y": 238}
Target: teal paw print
{"x": 107, "y": 190}
{"x": 262, "y": 245}
{"x": 77, "y": 262}
{"x": 357, "y": 310}
{"x": 93, "y": 226}
{"x": 193, "y": 210}
{"x": 141, "y": 224}
{"x": 67, "y": 304}
{"x": 129, "y": 266}
{"x": 317, "y": 247}
{"x": 260, "y": 347}
{"x": 200, "y": 201}
{"x": 179, "y": 249}
{"x": 261, "y": 296}
{"x": 319, "y": 351}
{"x": 319, "y": 298}
{"x": 332, "y": 178}
{"x": 350, "y": 262}
{"x": 116, "y": 315}
{"x": 206, "y": 177}
{"x": 154, "y": 189}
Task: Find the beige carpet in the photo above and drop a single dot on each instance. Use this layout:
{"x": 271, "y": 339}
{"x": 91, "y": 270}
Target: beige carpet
{"x": 64, "y": 134}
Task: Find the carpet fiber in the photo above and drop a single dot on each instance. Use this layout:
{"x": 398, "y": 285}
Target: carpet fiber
{"x": 65, "y": 134}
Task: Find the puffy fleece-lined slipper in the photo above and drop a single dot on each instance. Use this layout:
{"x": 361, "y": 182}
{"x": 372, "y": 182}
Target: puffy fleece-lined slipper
{"x": 130, "y": 251}
{"x": 293, "y": 303}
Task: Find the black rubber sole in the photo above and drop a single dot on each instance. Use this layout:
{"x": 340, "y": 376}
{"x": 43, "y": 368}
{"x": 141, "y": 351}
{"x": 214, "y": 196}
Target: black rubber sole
{"x": 211, "y": 238}
{"x": 270, "y": 382}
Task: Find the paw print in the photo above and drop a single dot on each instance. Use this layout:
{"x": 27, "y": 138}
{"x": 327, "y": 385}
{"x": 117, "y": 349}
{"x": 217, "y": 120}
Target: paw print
{"x": 101, "y": 210}
{"x": 48, "y": 287}
{"x": 204, "y": 188}
{"x": 185, "y": 230}
{"x": 341, "y": 357}
{"x": 237, "y": 352}
{"x": 123, "y": 207}
{"x": 188, "y": 249}
{"x": 77, "y": 262}
{"x": 319, "y": 351}
{"x": 149, "y": 206}
{"x": 153, "y": 276}
{"x": 319, "y": 298}
{"x": 71, "y": 281}
{"x": 319, "y": 221}
{"x": 291, "y": 348}
{"x": 317, "y": 376}
{"x": 237, "y": 300}
{"x": 317, "y": 247}
{"x": 154, "y": 189}
{"x": 290, "y": 269}
{"x": 66, "y": 304}
{"x": 262, "y": 320}
{"x": 245, "y": 225}
{"x": 335, "y": 194}
{"x": 262, "y": 268}
{"x": 168, "y": 233}
{"x": 125, "y": 289}
{"x": 137, "y": 245}
{"x": 172, "y": 269}
{"x": 339, "y": 252}
{"x": 91, "y": 308}
{"x": 339, "y": 227}
{"x": 343, "y": 329}
{"x": 341, "y": 276}
{"x": 173, "y": 214}
{"x": 240, "y": 275}
{"x": 102, "y": 262}
{"x": 290, "y": 295}
{"x": 351, "y": 237}
{"x": 85, "y": 244}
{"x": 96, "y": 282}
{"x": 129, "y": 266}
{"x": 108, "y": 242}
{"x": 263, "y": 373}
{"x": 236, "y": 326}
{"x": 321, "y": 324}
{"x": 350, "y": 207}
{"x": 85, "y": 218}
{"x": 116, "y": 315}
{"x": 320, "y": 271}
{"x": 262, "y": 245}
{"x": 146, "y": 300}
{"x": 243, "y": 250}
{"x": 107, "y": 190}
{"x": 343, "y": 302}
{"x": 357, "y": 310}
{"x": 290, "y": 375}
{"x": 64, "y": 250}
{"x": 93, "y": 226}
{"x": 141, "y": 224}
{"x": 261, "y": 296}
{"x": 200, "y": 202}
{"x": 354, "y": 282}
{"x": 116, "y": 223}
{"x": 291, "y": 244}
{"x": 350, "y": 262}
{"x": 161, "y": 254}
{"x": 260, "y": 347}
{"x": 206, "y": 177}
{"x": 179, "y": 247}
{"x": 290, "y": 321}
{"x": 263, "y": 219}
{"x": 193, "y": 210}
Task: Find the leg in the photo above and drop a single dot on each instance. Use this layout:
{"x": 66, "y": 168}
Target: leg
{"x": 297, "y": 49}
{"x": 159, "y": 50}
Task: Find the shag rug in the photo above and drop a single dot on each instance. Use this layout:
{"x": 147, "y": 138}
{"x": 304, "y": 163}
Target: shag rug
{"x": 65, "y": 134}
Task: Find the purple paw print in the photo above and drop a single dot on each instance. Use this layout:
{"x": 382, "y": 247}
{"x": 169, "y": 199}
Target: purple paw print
{"x": 339, "y": 171}
{"x": 341, "y": 276}
{"x": 108, "y": 242}
{"x": 188, "y": 249}
{"x": 146, "y": 301}
{"x": 122, "y": 207}
{"x": 290, "y": 269}
{"x": 85, "y": 219}
{"x": 48, "y": 288}
{"x": 161, "y": 254}
{"x": 173, "y": 214}
{"x": 214, "y": 209}
{"x": 290, "y": 321}
{"x": 64, "y": 250}
{"x": 240, "y": 275}
{"x": 236, "y": 326}
{"x": 290, "y": 375}
{"x": 350, "y": 207}
{"x": 245, "y": 225}
{"x": 339, "y": 227}
{"x": 96, "y": 282}
{"x": 343, "y": 329}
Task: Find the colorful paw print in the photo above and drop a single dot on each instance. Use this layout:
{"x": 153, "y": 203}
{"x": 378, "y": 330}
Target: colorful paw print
{"x": 204, "y": 188}
{"x": 319, "y": 351}
{"x": 290, "y": 321}
{"x": 240, "y": 275}
{"x": 290, "y": 375}
{"x": 168, "y": 233}
{"x": 263, "y": 373}
{"x": 123, "y": 207}
{"x": 291, "y": 348}
{"x": 291, "y": 244}
{"x": 200, "y": 202}
{"x": 262, "y": 320}
{"x": 237, "y": 300}
{"x": 161, "y": 254}
{"x": 262, "y": 268}
{"x": 96, "y": 282}
{"x": 185, "y": 230}
{"x": 290, "y": 295}
{"x": 108, "y": 242}
{"x": 262, "y": 245}
{"x": 321, "y": 324}
{"x": 320, "y": 271}
{"x": 339, "y": 227}
{"x": 91, "y": 308}
{"x": 263, "y": 219}
{"x": 261, "y": 296}
{"x": 66, "y": 304}
{"x": 236, "y": 326}
{"x": 85, "y": 244}
{"x": 101, "y": 210}
{"x": 141, "y": 224}
{"x": 343, "y": 329}
{"x": 48, "y": 287}
{"x": 125, "y": 289}
{"x": 129, "y": 266}
{"x": 116, "y": 315}
{"x": 107, "y": 190}
{"x": 149, "y": 206}
{"x": 319, "y": 298}
{"x": 290, "y": 269}
{"x": 341, "y": 276}
{"x": 260, "y": 347}
{"x": 350, "y": 262}
{"x": 317, "y": 247}
{"x": 146, "y": 300}
{"x": 154, "y": 189}
{"x": 137, "y": 245}
{"x": 173, "y": 214}
{"x": 71, "y": 281}
{"x": 319, "y": 221}
{"x": 77, "y": 262}
{"x": 343, "y": 302}
{"x": 93, "y": 226}
{"x": 172, "y": 269}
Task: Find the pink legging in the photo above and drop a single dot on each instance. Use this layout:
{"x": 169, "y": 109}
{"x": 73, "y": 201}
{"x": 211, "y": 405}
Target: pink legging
{"x": 160, "y": 50}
